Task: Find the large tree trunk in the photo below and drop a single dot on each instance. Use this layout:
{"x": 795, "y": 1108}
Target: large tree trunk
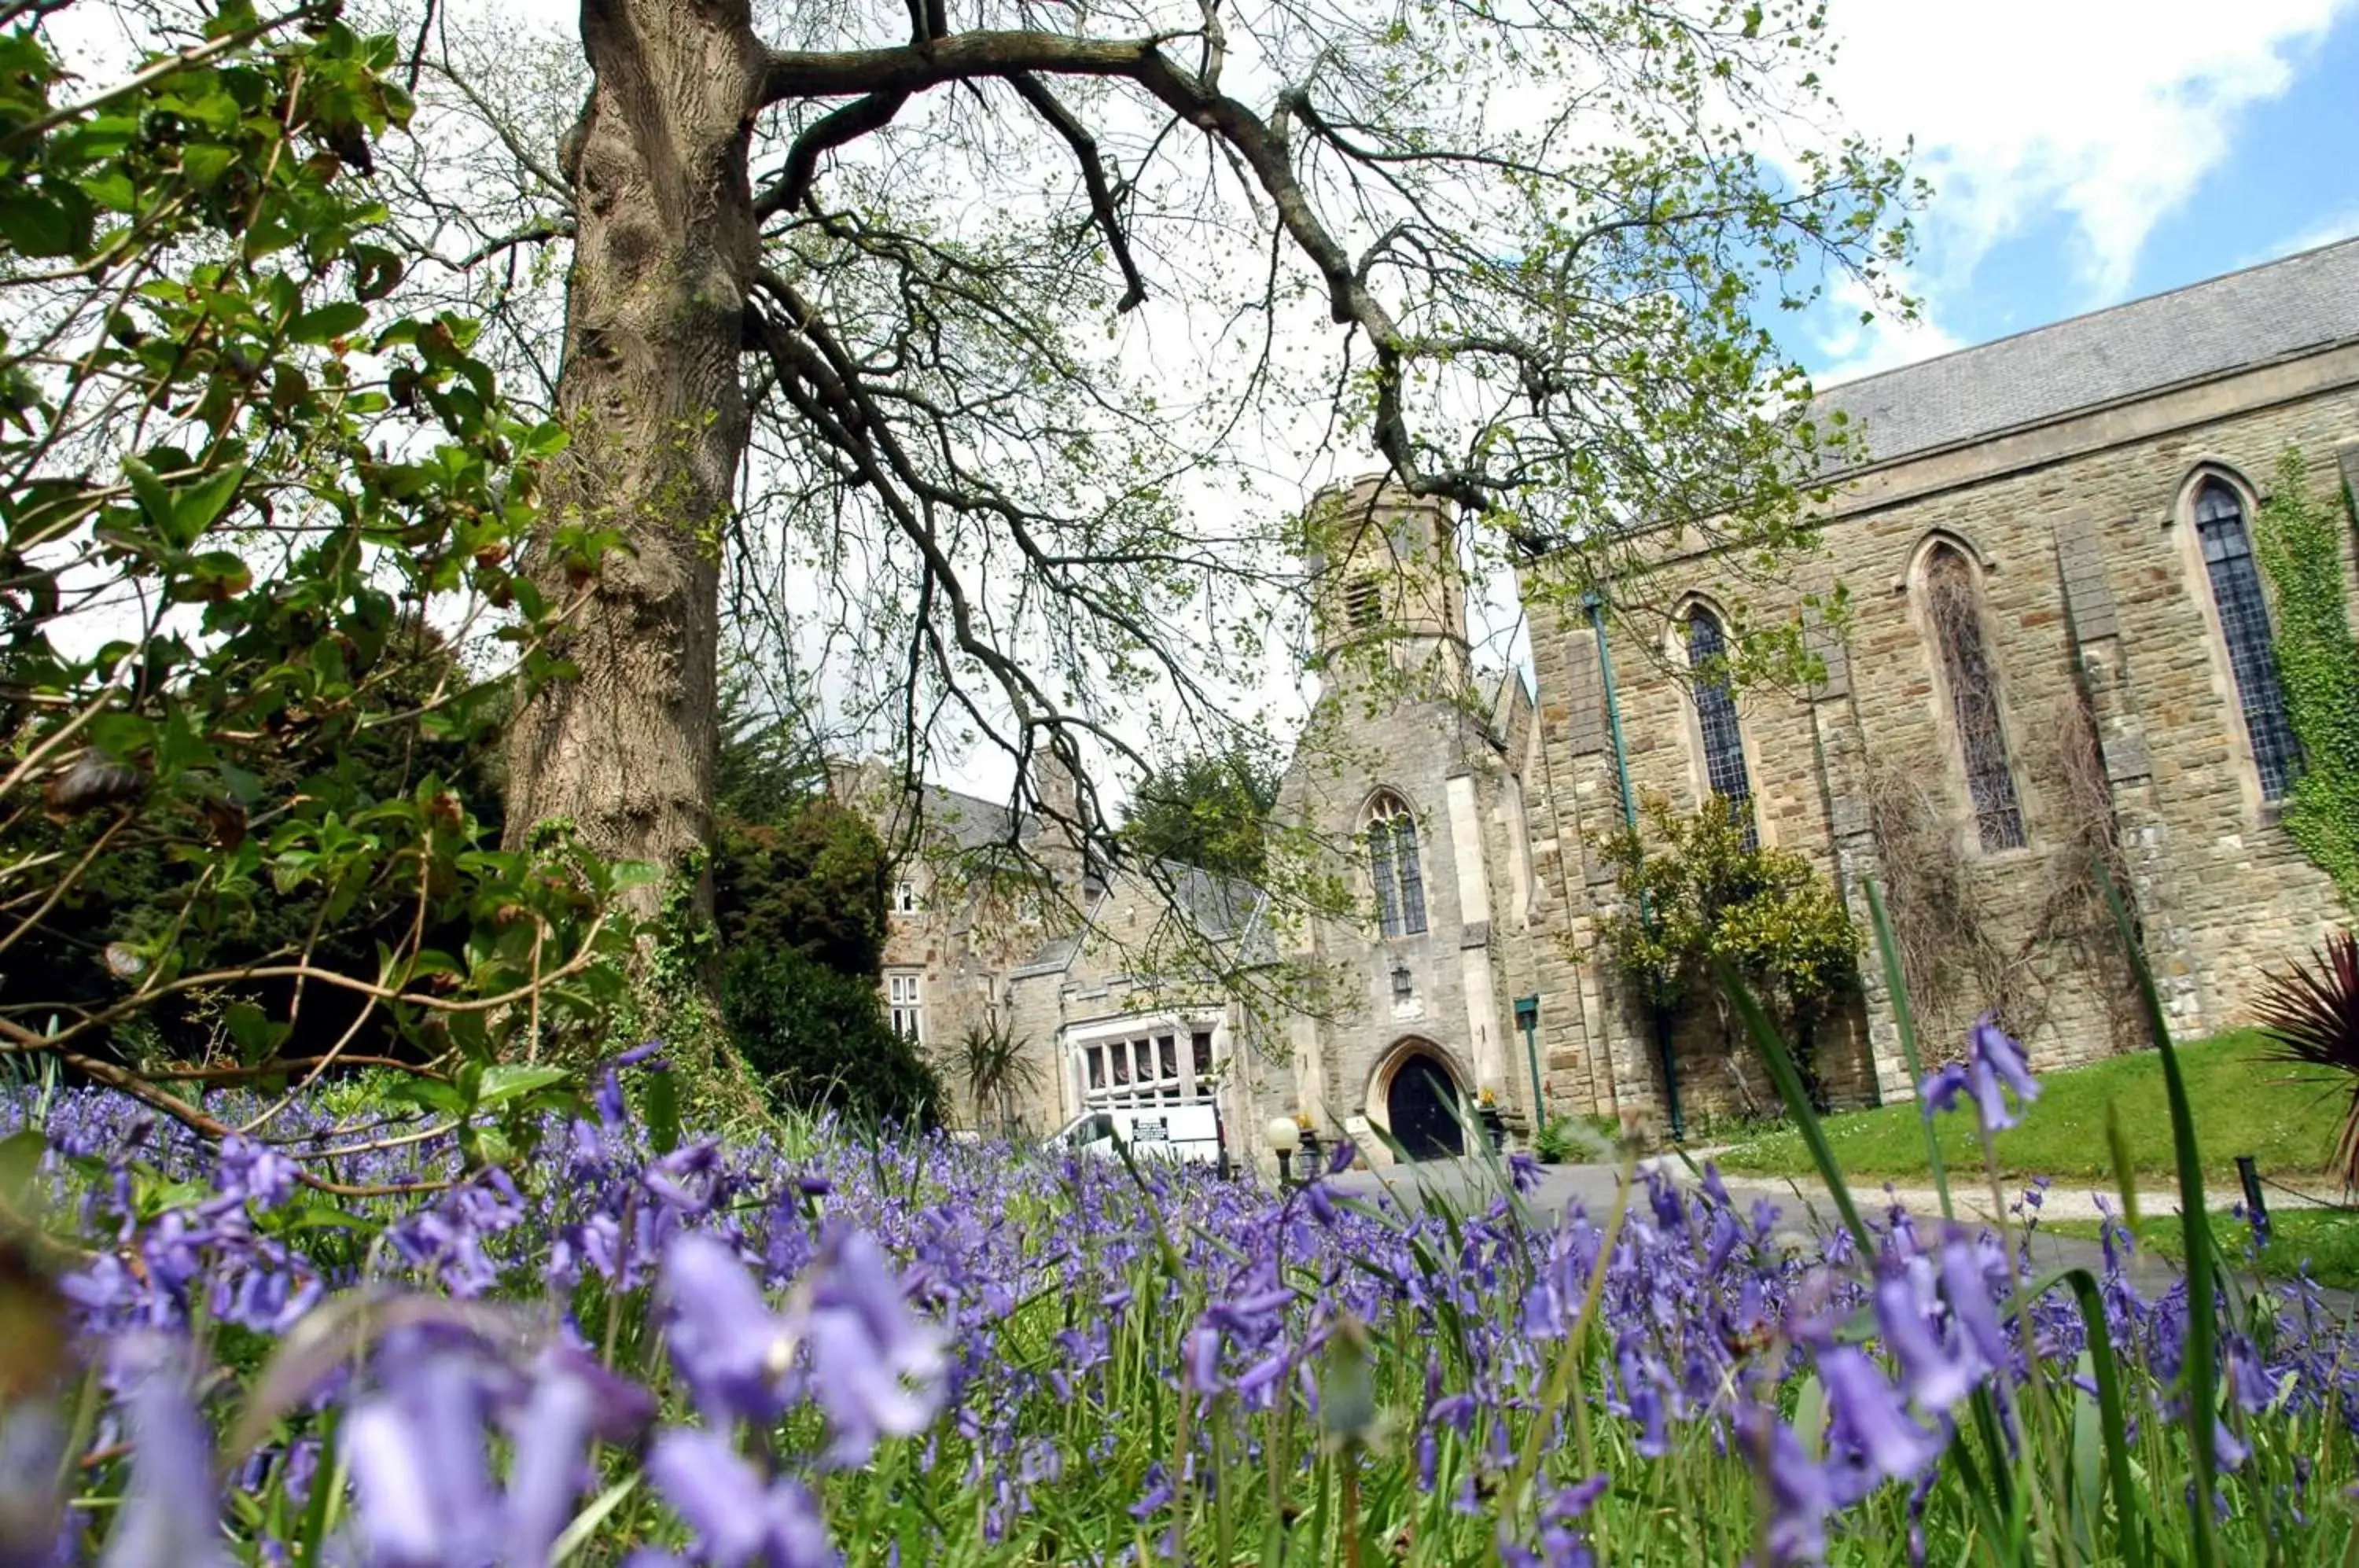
{"x": 664, "y": 257}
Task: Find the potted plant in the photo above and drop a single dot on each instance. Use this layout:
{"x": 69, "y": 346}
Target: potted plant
{"x": 1495, "y": 1126}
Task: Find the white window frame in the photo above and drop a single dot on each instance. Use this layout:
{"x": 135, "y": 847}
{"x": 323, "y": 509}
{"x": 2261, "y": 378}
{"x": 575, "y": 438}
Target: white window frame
{"x": 1119, "y": 1050}
{"x": 905, "y": 1003}
{"x": 905, "y": 897}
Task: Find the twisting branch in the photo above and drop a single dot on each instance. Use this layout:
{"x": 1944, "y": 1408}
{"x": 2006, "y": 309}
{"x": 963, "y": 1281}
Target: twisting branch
{"x": 1030, "y": 88}
{"x": 832, "y": 130}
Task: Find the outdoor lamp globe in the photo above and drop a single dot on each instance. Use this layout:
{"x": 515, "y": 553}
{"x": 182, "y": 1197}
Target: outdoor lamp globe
{"x": 1285, "y": 1137}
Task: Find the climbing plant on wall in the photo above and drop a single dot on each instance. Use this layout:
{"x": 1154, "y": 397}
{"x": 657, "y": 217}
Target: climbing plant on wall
{"x": 2300, "y": 540}
{"x": 1692, "y": 889}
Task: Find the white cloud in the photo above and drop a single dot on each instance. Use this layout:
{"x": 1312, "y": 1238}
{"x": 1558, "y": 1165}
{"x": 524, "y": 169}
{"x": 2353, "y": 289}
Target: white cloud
{"x": 2341, "y": 226}
{"x": 1853, "y": 347}
{"x": 2106, "y": 113}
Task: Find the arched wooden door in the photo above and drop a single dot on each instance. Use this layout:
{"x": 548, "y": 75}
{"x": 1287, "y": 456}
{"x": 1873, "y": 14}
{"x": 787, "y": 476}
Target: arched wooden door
{"x": 1421, "y": 1104}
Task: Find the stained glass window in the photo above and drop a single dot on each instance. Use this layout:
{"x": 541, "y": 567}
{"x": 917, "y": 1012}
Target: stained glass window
{"x": 2244, "y": 625}
{"x": 1392, "y": 868}
{"x": 1953, "y": 602}
{"x": 1724, "y": 742}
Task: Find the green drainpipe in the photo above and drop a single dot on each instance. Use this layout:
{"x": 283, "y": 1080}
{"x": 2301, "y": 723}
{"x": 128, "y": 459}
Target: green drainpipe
{"x": 1527, "y": 1018}
{"x": 1595, "y": 604}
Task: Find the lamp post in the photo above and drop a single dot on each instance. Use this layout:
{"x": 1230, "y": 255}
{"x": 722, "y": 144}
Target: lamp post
{"x": 1285, "y": 1137}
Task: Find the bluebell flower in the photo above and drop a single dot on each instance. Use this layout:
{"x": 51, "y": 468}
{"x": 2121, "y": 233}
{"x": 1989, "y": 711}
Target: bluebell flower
{"x": 1968, "y": 1289}
{"x": 738, "y": 1517}
{"x": 1799, "y": 1492}
{"x": 875, "y": 1365}
{"x": 731, "y": 1350}
{"x": 1865, "y": 1412}
{"x": 1935, "y": 1375}
{"x": 171, "y": 1515}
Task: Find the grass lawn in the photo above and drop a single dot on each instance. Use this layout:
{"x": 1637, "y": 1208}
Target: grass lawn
{"x": 2285, "y": 1116}
{"x": 2327, "y": 1239}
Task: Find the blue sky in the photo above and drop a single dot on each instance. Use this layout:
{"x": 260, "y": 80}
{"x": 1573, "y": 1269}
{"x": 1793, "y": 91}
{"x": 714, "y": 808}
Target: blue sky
{"x": 2084, "y": 152}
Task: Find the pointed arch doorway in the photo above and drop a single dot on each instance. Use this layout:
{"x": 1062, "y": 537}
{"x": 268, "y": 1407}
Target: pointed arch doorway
{"x": 1421, "y": 1108}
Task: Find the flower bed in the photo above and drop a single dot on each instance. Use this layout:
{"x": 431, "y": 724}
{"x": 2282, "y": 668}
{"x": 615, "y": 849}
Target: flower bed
{"x": 800, "y": 1350}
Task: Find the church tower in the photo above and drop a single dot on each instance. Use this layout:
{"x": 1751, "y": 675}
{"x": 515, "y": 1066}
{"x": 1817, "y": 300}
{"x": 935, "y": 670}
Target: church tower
{"x": 1388, "y": 594}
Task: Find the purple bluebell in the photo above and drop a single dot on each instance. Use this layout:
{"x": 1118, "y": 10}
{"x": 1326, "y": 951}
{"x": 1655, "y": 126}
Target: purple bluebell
{"x": 1968, "y": 1289}
{"x": 1865, "y": 1412}
{"x": 1936, "y": 1376}
{"x": 733, "y": 1351}
{"x": 738, "y": 1517}
{"x": 877, "y": 1367}
{"x": 171, "y": 1515}
{"x": 1799, "y": 1492}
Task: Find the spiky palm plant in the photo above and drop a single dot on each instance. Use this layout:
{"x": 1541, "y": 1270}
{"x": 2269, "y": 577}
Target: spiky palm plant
{"x": 997, "y": 1066}
{"x": 2311, "y": 1014}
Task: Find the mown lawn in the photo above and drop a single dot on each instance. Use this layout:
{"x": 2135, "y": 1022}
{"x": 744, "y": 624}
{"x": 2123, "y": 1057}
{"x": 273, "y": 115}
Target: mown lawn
{"x": 2326, "y": 1239}
{"x": 2285, "y": 1116}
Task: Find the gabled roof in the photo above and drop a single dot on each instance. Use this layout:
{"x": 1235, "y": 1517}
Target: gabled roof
{"x": 2275, "y": 311}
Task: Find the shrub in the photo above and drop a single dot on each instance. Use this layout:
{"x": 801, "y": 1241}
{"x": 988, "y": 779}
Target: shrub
{"x": 224, "y": 434}
{"x": 1702, "y": 892}
{"x": 813, "y": 882}
{"x": 818, "y": 1039}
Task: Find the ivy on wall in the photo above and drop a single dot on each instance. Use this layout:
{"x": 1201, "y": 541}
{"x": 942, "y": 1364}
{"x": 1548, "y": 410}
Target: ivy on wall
{"x": 2300, "y": 542}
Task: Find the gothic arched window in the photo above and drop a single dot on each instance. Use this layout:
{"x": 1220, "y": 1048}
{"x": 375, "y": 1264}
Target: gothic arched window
{"x": 2245, "y": 627}
{"x": 1715, "y": 704}
{"x": 1393, "y": 866}
{"x": 1952, "y": 604}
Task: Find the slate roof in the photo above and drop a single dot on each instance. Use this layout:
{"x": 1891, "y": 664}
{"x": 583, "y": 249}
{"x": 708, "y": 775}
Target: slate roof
{"x": 2272, "y": 312}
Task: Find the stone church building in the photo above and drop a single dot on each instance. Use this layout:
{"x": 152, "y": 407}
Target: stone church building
{"x": 2057, "y": 650}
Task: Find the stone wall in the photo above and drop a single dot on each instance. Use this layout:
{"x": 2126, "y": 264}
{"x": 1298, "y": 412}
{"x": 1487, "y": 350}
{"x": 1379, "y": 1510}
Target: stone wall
{"x": 2096, "y": 612}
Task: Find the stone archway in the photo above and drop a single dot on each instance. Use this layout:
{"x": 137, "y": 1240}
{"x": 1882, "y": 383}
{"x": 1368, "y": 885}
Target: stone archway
{"x": 1417, "y": 1096}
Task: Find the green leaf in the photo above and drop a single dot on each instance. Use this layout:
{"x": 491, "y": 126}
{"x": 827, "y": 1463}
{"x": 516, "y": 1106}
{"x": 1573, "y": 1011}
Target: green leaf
{"x": 195, "y": 506}
{"x": 1895, "y": 985}
{"x": 20, "y": 1161}
{"x": 2199, "y": 1373}
{"x": 55, "y": 221}
{"x": 1798, "y": 1100}
{"x": 510, "y": 1079}
{"x": 328, "y": 322}
{"x": 155, "y": 500}
{"x": 659, "y": 1108}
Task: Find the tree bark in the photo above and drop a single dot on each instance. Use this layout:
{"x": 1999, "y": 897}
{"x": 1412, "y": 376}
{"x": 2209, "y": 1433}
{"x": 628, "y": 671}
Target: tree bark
{"x": 664, "y": 258}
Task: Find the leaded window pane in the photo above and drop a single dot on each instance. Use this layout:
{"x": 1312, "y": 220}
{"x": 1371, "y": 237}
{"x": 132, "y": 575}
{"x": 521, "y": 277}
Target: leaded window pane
{"x": 1380, "y": 872}
{"x": 2244, "y": 626}
{"x": 1724, "y": 741}
{"x": 1974, "y": 699}
{"x": 1412, "y": 875}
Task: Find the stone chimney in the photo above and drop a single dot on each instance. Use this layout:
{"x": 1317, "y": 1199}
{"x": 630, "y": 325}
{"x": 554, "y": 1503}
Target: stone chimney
{"x": 1058, "y": 841}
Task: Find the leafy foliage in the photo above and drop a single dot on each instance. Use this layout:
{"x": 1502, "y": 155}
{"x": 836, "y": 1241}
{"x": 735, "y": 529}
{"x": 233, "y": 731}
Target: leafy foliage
{"x": 259, "y": 533}
{"x": 997, "y": 1066}
{"x": 2310, "y": 1013}
{"x": 2300, "y": 543}
{"x": 813, "y": 883}
{"x": 1699, "y": 895}
{"x": 818, "y": 1039}
{"x": 1209, "y": 810}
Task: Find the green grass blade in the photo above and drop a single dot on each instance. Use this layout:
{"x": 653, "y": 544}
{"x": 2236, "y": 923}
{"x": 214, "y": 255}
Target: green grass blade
{"x": 2202, "y": 1365}
{"x": 1895, "y": 985}
{"x": 1798, "y": 1101}
{"x": 2129, "y": 1534}
{"x": 2118, "y": 1148}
